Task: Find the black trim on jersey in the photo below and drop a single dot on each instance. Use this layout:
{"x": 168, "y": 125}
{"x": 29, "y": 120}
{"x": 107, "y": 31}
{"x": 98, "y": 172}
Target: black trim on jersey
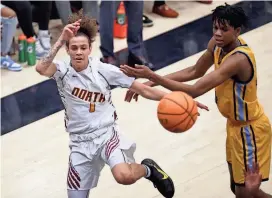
{"x": 234, "y": 100}
{"x": 52, "y": 76}
{"x": 243, "y": 184}
{"x": 110, "y": 87}
{"x": 67, "y": 69}
{"x": 244, "y": 148}
{"x": 246, "y": 109}
{"x": 254, "y": 141}
{"x": 64, "y": 76}
{"x": 241, "y": 43}
{"x": 252, "y": 67}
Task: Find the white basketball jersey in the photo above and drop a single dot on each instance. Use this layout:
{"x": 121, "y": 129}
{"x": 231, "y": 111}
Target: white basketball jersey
{"x": 86, "y": 95}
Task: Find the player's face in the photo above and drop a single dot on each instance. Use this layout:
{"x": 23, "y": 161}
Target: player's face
{"x": 224, "y": 34}
{"x": 79, "y": 50}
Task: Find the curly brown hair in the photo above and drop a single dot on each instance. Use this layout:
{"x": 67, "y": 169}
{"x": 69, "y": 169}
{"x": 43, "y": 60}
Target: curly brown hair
{"x": 88, "y": 26}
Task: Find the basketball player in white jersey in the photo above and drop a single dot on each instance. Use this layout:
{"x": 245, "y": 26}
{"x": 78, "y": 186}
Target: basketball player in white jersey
{"x": 84, "y": 86}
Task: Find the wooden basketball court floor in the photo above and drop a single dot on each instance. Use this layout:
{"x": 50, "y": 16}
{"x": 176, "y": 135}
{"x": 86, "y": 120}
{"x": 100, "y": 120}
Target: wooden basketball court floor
{"x": 34, "y": 158}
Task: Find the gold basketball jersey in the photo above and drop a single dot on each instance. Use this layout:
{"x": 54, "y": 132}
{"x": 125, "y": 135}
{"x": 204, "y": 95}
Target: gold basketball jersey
{"x": 238, "y": 100}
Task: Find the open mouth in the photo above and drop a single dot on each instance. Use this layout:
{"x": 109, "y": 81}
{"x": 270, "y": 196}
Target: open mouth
{"x": 79, "y": 59}
{"x": 219, "y": 40}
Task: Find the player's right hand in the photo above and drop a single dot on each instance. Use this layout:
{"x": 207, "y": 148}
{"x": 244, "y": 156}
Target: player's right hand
{"x": 70, "y": 30}
{"x": 253, "y": 179}
{"x": 131, "y": 95}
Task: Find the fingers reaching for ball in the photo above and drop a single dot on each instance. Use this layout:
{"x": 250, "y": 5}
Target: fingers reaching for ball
{"x": 202, "y": 106}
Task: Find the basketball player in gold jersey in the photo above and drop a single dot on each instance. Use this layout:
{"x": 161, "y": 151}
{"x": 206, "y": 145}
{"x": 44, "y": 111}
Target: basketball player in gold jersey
{"x": 235, "y": 81}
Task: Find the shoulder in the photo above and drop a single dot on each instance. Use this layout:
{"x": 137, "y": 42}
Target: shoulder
{"x": 211, "y": 45}
{"x": 239, "y": 57}
{"x": 237, "y": 61}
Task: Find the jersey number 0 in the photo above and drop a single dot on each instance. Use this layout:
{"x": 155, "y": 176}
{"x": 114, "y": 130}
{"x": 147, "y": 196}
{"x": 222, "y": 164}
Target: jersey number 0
{"x": 92, "y": 107}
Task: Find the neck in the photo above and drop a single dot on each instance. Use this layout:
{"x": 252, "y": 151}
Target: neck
{"x": 231, "y": 46}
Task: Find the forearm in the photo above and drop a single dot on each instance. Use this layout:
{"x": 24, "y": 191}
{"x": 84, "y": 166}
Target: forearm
{"x": 180, "y": 76}
{"x": 151, "y": 93}
{"x": 43, "y": 65}
{"x": 174, "y": 85}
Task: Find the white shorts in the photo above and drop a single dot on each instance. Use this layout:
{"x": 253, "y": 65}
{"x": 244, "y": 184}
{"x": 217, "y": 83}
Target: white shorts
{"x": 87, "y": 158}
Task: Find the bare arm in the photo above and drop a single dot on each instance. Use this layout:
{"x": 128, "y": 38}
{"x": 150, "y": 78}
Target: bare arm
{"x": 45, "y": 66}
{"x": 195, "y": 71}
{"x": 228, "y": 69}
{"x": 147, "y": 92}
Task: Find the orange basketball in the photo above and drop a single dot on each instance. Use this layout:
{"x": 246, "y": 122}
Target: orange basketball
{"x": 177, "y": 112}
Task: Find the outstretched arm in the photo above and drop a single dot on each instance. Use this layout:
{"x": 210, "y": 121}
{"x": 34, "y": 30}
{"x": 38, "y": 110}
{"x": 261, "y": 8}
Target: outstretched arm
{"x": 154, "y": 94}
{"x": 193, "y": 72}
{"x": 228, "y": 69}
{"x": 45, "y": 66}
{"x": 187, "y": 74}
{"x": 147, "y": 92}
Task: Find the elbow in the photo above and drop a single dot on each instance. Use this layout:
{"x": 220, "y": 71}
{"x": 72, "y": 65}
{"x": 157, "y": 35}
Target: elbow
{"x": 198, "y": 74}
{"x": 39, "y": 69}
{"x": 195, "y": 92}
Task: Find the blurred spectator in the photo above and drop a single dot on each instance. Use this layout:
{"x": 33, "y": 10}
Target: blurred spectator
{"x": 147, "y": 22}
{"x": 24, "y": 10}
{"x": 162, "y": 9}
{"x": 8, "y": 29}
{"x": 134, "y": 12}
{"x": 90, "y": 8}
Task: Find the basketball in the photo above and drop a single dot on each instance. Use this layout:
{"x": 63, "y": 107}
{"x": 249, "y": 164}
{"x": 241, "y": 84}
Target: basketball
{"x": 177, "y": 112}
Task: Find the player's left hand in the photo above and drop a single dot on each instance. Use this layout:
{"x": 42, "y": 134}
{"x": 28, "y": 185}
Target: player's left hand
{"x": 140, "y": 71}
{"x": 253, "y": 179}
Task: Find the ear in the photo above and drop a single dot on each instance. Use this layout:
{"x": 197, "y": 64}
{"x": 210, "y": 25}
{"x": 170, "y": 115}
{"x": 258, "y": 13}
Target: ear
{"x": 67, "y": 49}
{"x": 90, "y": 49}
{"x": 238, "y": 31}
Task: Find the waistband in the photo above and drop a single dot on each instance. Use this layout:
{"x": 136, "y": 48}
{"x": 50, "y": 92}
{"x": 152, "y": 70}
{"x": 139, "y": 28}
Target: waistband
{"x": 82, "y": 137}
{"x": 244, "y": 123}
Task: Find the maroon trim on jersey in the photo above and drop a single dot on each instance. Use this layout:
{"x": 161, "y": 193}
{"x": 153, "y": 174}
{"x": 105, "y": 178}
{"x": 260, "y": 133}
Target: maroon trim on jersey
{"x": 73, "y": 178}
{"x": 112, "y": 144}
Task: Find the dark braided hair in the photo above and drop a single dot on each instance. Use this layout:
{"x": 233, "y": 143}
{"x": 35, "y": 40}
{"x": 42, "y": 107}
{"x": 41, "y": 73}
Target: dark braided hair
{"x": 234, "y": 15}
{"x": 88, "y": 26}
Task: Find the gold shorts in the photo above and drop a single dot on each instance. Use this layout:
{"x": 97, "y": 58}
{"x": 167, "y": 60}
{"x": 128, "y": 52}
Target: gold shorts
{"x": 247, "y": 143}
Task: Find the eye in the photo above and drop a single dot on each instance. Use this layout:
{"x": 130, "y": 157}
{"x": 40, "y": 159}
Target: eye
{"x": 215, "y": 27}
{"x": 74, "y": 48}
{"x": 225, "y": 29}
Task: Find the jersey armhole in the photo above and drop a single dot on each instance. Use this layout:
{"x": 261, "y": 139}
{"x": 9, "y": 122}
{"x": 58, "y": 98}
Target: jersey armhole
{"x": 252, "y": 67}
{"x": 109, "y": 87}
